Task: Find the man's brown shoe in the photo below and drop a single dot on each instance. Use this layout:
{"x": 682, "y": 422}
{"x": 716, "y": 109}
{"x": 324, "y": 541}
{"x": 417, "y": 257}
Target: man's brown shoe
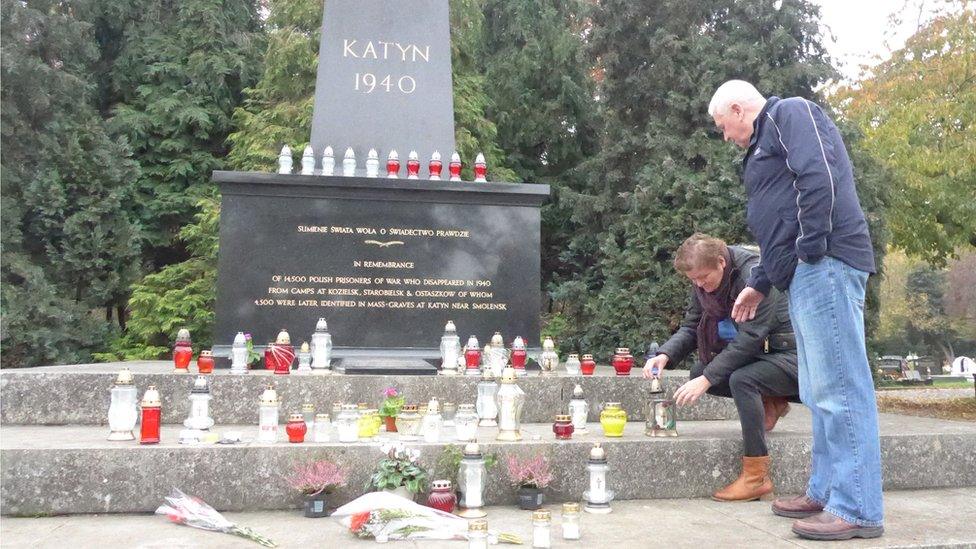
{"x": 774, "y": 408}
{"x": 827, "y": 527}
{"x": 796, "y": 507}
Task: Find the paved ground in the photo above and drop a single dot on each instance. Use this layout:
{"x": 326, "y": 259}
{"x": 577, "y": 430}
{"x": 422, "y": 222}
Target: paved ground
{"x": 925, "y": 518}
{"x": 934, "y": 393}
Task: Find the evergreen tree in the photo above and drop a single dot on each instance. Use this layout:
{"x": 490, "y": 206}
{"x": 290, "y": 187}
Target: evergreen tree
{"x": 662, "y": 174}
{"x": 171, "y": 76}
{"x": 68, "y": 247}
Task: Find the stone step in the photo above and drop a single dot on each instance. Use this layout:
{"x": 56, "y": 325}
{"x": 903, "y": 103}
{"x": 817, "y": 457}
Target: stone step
{"x": 79, "y": 394}
{"x": 74, "y": 469}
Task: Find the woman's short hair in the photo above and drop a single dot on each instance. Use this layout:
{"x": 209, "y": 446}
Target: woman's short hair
{"x": 699, "y": 251}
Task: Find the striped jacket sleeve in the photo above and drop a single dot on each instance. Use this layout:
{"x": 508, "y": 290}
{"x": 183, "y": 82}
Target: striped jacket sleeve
{"x": 804, "y": 133}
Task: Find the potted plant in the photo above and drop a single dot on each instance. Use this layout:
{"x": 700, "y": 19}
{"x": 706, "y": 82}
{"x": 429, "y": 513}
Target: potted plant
{"x": 529, "y": 477}
{"x": 399, "y": 472}
{"x": 390, "y": 408}
{"x": 316, "y": 480}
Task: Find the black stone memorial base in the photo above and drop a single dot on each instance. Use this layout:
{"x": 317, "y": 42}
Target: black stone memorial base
{"x": 386, "y": 262}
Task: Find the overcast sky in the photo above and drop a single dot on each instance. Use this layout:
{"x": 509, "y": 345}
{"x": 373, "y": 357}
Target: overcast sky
{"x": 861, "y": 29}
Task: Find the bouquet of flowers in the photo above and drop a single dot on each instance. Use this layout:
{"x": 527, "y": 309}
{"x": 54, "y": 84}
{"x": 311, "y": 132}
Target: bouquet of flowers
{"x": 193, "y": 511}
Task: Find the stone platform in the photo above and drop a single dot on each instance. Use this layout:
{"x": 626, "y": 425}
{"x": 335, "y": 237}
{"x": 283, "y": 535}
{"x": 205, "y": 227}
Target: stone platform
{"x": 916, "y": 518}
{"x": 73, "y": 469}
{"x": 79, "y": 394}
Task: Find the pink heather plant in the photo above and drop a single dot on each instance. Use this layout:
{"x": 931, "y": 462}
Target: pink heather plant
{"x": 533, "y": 473}
{"x": 390, "y": 392}
{"x": 317, "y": 476}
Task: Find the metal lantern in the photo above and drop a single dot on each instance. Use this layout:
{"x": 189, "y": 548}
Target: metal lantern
{"x": 268, "y": 415}
{"x": 431, "y": 427}
{"x": 573, "y": 365}
{"x": 182, "y": 351}
{"x": 238, "y": 354}
{"x": 151, "y": 415}
{"x": 656, "y": 385}
{"x": 372, "y": 164}
{"x": 308, "y": 161}
{"x": 349, "y": 163}
{"x": 661, "y": 420}
{"x": 510, "y": 400}
{"x": 599, "y": 496}
{"x": 519, "y": 356}
{"x": 471, "y": 482}
{"x": 497, "y": 355}
{"x": 466, "y": 423}
{"x": 549, "y": 360}
{"x": 578, "y": 410}
{"x": 123, "y": 412}
{"x": 472, "y": 357}
{"x": 450, "y": 349}
{"x": 485, "y": 405}
{"x": 321, "y": 347}
{"x": 199, "y": 417}
{"x": 304, "y": 359}
{"x": 328, "y": 161}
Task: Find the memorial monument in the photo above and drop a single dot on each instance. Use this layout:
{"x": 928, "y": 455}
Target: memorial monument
{"x": 387, "y": 261}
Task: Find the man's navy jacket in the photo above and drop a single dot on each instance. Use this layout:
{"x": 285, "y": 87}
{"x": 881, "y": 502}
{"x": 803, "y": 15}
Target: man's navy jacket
{"x": 802, "y": 202}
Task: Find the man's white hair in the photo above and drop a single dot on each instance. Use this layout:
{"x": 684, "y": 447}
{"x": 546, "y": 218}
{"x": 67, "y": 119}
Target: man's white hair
{"x": 734, "y": 91}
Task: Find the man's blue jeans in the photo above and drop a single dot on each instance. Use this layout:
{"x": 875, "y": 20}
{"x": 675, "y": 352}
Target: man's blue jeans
{"x": 827, "y": 310}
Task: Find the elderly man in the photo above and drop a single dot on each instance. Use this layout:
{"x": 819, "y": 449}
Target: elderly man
{"x": 754, "y": 362}
{"x": 804, "y": 212}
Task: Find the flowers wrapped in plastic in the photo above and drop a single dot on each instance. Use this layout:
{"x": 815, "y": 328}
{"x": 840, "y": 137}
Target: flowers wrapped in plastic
{"x": 193, "y": 511}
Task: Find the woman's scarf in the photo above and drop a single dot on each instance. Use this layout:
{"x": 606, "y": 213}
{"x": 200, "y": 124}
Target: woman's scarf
{"x": 715, "y": 306}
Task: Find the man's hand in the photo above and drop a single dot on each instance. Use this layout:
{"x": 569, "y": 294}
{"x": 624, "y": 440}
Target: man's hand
{"x": 691, "y": 391}
{"x": 746, "y": 304}
{"x": 659, "y": 362}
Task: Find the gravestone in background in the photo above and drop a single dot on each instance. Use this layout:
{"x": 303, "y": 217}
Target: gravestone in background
{"x": 387, "y": 262}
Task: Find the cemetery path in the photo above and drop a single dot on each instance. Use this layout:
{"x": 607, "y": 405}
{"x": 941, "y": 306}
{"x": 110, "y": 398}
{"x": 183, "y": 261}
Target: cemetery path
{"x": 920, "y": 518}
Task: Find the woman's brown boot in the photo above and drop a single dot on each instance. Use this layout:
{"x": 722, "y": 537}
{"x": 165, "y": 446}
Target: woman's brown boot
{"x": 753, "y": 483}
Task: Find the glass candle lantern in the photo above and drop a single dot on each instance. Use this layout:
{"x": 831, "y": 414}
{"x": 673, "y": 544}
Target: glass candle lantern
{"x": 205, "y": 362}
{"x": 510, "y": 400}
{"x": 182, "y": 351}
{"x": 336, "y": 409}
{"x": 571, "y": 520}
{"x": 471, "y": 482}
{"x": 238, "y": 354}
{"x": 450, "y": 349}
{"x": 268, "y": 415}
{"x": 622, "y": 361}
{"x": 375, "y": 422}
{"x": 497, "y": 354}
{"x": 478, "y": 534}
{"x": 284, "y": 353}
{"x": 541, "y": 529}
{"x": 519, "y": 356}
{"x": 304, "y": 359}
{"x": 151, "y": 413}
{"x": 472, "y": 357}
{"x": 199, "y": 417}
{"x": 364, "y": 424}
{"x": 123, "y": 412}
{"x": 431, "y": 427}
{"x": 613, "y": 419}
{"x": 321, "y": 428}
{"x": 321, "y": 348}
{"x": 485, "y": 404}
{"x": 661, "y": 420}
{"x": 308, "y": 414}
{"x": 269, "y": 357}
{"x": 408, "y": 422}
{"x": 578, "y": 410}
{"x": 549, "y": 359}
{"x": 573, "y": 365}
{"x": 466, "y": 423}
{"x": 448, "y": 412}
{"x": 563, "y": 427}
{"x": 296, "y": 428}
{"x": 347, "y": 423}
{"x": 441, "y": 496}
{"x": 435, "y": 166}
{"x": 598, "y": 497}
{"x": 587, "y": 365}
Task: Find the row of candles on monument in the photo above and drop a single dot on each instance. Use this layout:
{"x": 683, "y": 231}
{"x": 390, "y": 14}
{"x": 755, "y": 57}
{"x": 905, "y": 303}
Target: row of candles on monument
{"x": 278, "y": 356}
{"x": 497, "y": 405}
{"x": 434, "y": 165}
